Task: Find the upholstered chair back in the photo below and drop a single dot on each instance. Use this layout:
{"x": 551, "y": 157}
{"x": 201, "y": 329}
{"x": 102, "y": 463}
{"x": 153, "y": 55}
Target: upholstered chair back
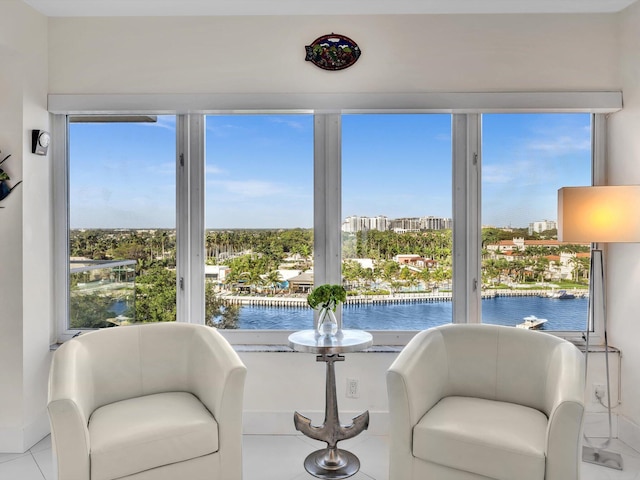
{"x": 505, "y": 364}
{"x": 132, "y": 361}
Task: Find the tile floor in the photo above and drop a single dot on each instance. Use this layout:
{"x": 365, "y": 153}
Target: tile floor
{"x": 280, "y": 457}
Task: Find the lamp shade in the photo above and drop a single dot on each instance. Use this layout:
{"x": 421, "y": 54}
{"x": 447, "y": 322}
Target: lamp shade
{"x": 599, "y": 214}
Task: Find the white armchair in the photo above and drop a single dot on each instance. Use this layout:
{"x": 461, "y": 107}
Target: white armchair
{"x": 155, "y": 401}
{"x": 480, "y": 402}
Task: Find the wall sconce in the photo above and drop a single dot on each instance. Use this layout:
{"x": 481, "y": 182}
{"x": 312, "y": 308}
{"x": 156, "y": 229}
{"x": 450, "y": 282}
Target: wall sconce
{"x": 40, "y": 142}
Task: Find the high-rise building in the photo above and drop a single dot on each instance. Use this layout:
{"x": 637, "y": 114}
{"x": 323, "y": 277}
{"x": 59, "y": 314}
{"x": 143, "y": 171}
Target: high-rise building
{"x": 435, "y": 223}
{"x": 382, "y": 223}
{"x": 541, "y": 226}
{"x": 354, "y": 224}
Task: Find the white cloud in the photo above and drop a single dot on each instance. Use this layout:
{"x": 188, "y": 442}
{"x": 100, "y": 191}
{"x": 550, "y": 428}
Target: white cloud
{"x": 561, "y": 145}
{"x": 288, "y": 122}
{"x": 223, "y": 130}
{"x": 167, "y": 121}
{"x": 213, "y": 170}
{"x": 496, "y": 174}
{"x": 164, "y": 168}
{"x": 249, "y": 188}
{"x": 443, "y": 137}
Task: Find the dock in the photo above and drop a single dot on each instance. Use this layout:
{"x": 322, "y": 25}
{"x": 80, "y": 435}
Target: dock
{"x": 300, "y": 301}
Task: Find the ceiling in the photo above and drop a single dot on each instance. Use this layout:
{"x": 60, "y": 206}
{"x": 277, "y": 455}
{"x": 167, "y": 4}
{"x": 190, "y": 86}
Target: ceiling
{"x": 99, "y": 8}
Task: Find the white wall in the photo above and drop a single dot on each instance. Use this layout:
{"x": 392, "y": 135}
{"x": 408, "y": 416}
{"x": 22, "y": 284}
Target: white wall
{"x": 280, "y": 383}
{"x": 624, "y": 260}
{"x": 25, "y": 230}
{"x": 401, "y": 53}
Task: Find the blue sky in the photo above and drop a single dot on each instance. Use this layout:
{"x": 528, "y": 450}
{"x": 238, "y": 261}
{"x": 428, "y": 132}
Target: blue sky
{"x": 526, "y": 159}
{"x": 259, "y": 169}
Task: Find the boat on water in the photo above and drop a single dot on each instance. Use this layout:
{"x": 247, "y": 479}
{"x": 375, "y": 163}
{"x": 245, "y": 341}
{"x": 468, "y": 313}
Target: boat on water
{"x": 532, "y": 322}
{"x": 561, "y": 295}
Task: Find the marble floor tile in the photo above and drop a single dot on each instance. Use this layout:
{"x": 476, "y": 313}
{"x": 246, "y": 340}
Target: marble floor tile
{"x": 281, "y": 457}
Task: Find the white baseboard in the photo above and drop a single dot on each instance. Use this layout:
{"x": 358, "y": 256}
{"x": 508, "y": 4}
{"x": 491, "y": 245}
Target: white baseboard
{"x": 19, "y": 440}
{"x": 596, "y": 425}
{"x": 629, "y": 432}
{"x": 281, "y": 423}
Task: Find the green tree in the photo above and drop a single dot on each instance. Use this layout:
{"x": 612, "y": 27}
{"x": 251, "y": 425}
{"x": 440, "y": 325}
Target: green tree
{"x": 217, "y": 313}
{"x": 89, "y": 310}
{"x": 540, "y": 267}
{"x": 491, "y": 270}
{"x": 273, "y": 279}
{"x": 156, "y": 296}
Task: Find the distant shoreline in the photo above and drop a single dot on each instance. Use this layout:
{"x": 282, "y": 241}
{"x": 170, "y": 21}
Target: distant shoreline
{"x": 301, "y": 301}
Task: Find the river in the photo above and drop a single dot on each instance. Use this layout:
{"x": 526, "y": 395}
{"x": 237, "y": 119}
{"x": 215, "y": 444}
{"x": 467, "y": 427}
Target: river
{"x": 560, "y": 314}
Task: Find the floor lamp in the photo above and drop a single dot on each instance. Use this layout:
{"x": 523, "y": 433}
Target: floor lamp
{"x": 602, "y": 214}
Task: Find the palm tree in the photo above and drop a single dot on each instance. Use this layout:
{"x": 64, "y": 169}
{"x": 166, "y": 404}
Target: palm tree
{"x": 581, "y": 267}
{"x": 273, "y": 279}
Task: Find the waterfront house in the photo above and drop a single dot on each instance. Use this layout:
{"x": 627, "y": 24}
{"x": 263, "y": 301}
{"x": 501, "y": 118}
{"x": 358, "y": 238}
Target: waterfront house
{"x": 301, "y": 283}
{"x": 61, "y": 58}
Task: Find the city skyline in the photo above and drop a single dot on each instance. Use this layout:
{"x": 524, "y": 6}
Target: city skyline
{"x": 259, "y": 169}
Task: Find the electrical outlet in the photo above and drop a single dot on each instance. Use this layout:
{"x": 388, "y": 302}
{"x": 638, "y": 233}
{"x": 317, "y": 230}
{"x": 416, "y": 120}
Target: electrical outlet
{"x": 599, "y": 392}
{"x": 353, "y": 388}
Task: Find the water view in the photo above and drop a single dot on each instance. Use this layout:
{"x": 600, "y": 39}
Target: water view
{"x": 261, "y": 188}
{"x": 560, "y": 314}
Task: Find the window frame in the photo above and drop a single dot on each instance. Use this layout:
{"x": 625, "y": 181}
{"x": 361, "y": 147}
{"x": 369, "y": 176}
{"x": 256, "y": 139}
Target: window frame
{"x": 466, "y": 110}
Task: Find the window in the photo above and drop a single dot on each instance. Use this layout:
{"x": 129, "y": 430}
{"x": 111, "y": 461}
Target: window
{"x": 526, "y": 272}
{"x": 244, "y": 186}
{"x": 122, "y": 221}
{"x": 397, "y": 221}
{"x": 259, "y": 218}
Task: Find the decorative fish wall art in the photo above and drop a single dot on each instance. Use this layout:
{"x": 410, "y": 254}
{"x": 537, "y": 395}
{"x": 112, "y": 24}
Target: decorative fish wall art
{"x": 333, "y": 52}
{"x": 5, "y": 190}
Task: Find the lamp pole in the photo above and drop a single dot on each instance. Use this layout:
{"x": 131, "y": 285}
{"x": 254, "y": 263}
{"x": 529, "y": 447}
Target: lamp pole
{"x": 592, "y": 453}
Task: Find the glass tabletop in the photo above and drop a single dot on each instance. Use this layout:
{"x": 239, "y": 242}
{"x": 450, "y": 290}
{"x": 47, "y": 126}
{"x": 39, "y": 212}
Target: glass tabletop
{"x": 309, "y": 341}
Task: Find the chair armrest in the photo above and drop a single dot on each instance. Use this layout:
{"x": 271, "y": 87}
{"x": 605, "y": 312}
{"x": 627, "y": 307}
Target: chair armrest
{"x": 417, "y": 379}
{"x": 217, "y": 377}
{"x": 565, "y": 398}
{"x": 70, "y": 438}
{"x": 415, "y": 382}
{"x": 214, "y": 367}
{"x": 69, "y": 407}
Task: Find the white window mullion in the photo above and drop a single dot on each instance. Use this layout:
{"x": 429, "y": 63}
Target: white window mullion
{"x": 182, "y": 217}
{"x": 599, "y": 148}
{"x": 190, "y": 218}
{"x": 466, "y": 219}
{"x": 196, "y": 218}
{"x": 327, "y": 203}
{"x": 60, "y": 159}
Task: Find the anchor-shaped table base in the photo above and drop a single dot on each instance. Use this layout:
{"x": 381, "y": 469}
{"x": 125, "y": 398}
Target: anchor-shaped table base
{"x": 331, "y": 462}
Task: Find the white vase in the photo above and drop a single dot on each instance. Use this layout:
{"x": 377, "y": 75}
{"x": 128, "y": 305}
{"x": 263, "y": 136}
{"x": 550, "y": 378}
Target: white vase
{"x": 327, "y": 322}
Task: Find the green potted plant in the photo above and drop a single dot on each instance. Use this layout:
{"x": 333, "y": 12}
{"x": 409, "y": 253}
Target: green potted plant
{"x": 326, "y": 299}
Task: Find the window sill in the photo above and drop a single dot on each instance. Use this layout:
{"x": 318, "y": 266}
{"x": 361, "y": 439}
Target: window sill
{"x": 247, "y": 341}
{"x": 251, "y": 348}
{"x": 255, "y": 348}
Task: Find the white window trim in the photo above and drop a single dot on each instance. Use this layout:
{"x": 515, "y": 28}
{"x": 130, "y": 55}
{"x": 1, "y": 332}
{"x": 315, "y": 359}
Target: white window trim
{"x": 59, "y": 158}
{"x": 465, "y": 132}
{"x": 441, "y": 102}
{"x": 190, "y": 178}
{"x": 327, "y": 206}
